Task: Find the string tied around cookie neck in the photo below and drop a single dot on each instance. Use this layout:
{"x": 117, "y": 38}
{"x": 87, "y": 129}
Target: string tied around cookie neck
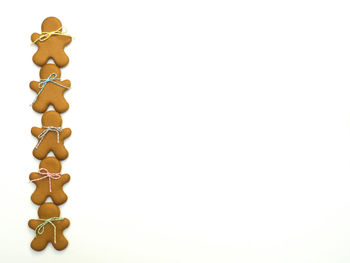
{"x": 47, "y": 174}
{"x": 42, "y": 84}
{"x": 48, "y": 129}
{"x": 40, "y": 229}
{"x": 62, "y": 31}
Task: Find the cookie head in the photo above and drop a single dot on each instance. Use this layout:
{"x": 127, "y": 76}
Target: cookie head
{"x": 51, "y": 118}
{"x": 48, "y": 210}
{"x": 48, "y": 69}
{"x": 51, "y": 164}
{"x": 51, "y": 24}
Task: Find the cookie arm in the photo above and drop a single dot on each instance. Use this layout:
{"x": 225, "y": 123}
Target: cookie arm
{"x": 65, "y": 223}
{"x": 33, "y": 224}
{"x": 65, "y": 178}
{"x": 66, "y": 40}
{"x": 66, "y": 133}
{"x": 34, "y": 176}
{"x": 34, "y": 85}
{"x": 66, "y": 83}
{"x": 34, "y": 37}
{"x": 36, "y": 131}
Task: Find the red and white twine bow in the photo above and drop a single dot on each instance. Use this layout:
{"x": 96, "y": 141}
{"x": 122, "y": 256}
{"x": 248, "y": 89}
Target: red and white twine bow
{"x": 47, "y": 174}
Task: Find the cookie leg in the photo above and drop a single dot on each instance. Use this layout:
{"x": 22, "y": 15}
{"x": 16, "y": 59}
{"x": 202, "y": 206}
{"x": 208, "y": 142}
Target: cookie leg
{"x": 61, "y": 152}
{"x": 61, "y": 105}
{"x": 61, "y": 59}
{"x": 40, "y": 153}
{"x": 59, "y": 198}
{"x": 38, "y": 243}
{"x": 39, "y": 106}
{"x": 61, "y": 242}
{"x": 40, "y": 57}
{"x": 38, "y": 197}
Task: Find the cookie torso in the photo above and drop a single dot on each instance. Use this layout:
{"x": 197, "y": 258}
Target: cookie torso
{"x": 42, "y": 191}
{"x": 49, "y": 182}
{"x": 52, "y": 141}
{"x": 53, "y": 95}
{"x": 40, "y": 242}
{"x": 48, "y": 144}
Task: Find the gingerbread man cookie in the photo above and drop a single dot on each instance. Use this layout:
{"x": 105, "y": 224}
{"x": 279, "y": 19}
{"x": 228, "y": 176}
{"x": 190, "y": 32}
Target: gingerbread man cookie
{"x": 51, "y": 43}
{"x": 49, "y": 228}
{"x": 49, "y": 182}
{"x": 50, "y": 90}
{"x": 51, "y": 136}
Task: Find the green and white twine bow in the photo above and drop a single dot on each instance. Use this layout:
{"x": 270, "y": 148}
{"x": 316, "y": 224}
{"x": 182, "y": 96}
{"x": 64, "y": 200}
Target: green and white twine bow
{"x": 42, "y": 135}
{"x": 43, "y": 82}
{"x": 40, "y": 229}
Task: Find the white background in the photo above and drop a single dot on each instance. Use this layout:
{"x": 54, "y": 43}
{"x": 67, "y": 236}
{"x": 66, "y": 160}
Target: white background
{"x": 203, "y": 131}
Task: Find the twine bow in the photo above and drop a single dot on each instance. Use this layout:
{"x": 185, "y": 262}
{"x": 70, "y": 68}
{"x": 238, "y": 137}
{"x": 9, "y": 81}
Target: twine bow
{"x": 43, "y": 82}
{"x": 42, "y": 135}
{"x": 47, "y": 174}
{"x": 40, "y": 229}
{"x": 62, "y": 31}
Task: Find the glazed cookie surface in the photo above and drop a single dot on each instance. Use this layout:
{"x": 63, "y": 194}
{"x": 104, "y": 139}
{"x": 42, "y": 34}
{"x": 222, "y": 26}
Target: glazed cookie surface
{"x": 51, "y": 136}
{"x": 49, "y": 228}
{"x": 49, "y": 182}
{"x": 51, "y": 43}
{"x": 50, "y": 90}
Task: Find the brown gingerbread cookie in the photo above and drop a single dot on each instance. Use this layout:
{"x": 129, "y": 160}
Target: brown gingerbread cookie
{"x": 51, "y": 43}
{"x": 49, "y": 182}
{"x": 50, "y": 90}
{"x": 49, "y": 228}
{"x": 51, "y": 136}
